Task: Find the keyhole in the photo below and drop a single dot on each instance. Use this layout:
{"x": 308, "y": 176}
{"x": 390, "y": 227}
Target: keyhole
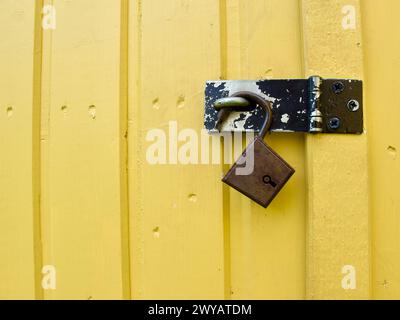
{"x": 268, "y": 180}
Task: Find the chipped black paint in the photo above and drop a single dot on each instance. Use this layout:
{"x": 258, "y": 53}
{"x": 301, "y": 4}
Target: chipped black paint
{"x": 290, "y": 105}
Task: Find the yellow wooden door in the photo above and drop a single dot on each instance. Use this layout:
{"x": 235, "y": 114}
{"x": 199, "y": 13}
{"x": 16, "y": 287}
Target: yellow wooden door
{"x": 84, "y": 215}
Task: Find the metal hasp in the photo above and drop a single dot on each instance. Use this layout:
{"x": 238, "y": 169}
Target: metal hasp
{"x": 314, "y": 105}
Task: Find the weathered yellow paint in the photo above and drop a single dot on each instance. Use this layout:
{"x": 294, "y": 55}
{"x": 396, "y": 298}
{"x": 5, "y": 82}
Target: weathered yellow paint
{"x": 176, "y": 210}
{"x": 267, "y": 246}
{"x": 83, "y": 201}
{"x": 381, "y": 47}
{"x": 77, "y": 192}
{"x": 18, "y": 161}
{"x": 338, "y": 216}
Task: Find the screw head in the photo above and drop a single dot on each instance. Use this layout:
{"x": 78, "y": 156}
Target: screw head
{"x": 353, "y": 105}
{"x": 338, "y": 87}
{"x": 334, "y": 123}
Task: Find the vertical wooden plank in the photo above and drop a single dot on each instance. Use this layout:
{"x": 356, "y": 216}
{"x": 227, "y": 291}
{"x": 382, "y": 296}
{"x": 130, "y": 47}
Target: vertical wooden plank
{"x": 17, "y": 184}
{"x": 176, "y": 222}
{"x": 45, "y": 174}
{"x": 37, "y": 151}
{"x": 338, "y": 216}
{"x": 267, "y": 245}
{"x": 83, "y": 175}
{"x": 381, "y": 53}
{"x": 123, "y": 149}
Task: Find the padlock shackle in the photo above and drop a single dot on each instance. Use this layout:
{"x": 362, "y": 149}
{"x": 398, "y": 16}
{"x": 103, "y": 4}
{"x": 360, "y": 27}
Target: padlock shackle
{"x": 255, "y": 98}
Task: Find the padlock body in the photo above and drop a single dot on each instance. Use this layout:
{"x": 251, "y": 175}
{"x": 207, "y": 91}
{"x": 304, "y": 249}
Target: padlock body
{"x": 269, "y": 176}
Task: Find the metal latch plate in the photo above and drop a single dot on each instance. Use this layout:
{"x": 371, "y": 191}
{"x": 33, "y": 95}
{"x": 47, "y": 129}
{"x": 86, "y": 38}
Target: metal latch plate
{"x": 292, "y": 105}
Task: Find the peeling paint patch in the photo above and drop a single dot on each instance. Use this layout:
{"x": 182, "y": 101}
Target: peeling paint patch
{"x": 288, "y": 97}
{"x": 236, "y": 86}
{"x": 283, "y": 130}
{"x": 285, "y": 118}
{"x": 236, "y": 121}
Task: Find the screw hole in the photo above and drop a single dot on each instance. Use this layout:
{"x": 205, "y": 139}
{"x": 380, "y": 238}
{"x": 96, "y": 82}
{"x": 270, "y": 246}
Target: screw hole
{"x": 334, "y": 123}
{"x": 338, "y": 87}
{"x": 10, "y": 111}
{"x": 353, "y": 105}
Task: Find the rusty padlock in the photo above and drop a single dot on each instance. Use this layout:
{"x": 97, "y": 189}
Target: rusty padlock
{"x": 269, "y": 172}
